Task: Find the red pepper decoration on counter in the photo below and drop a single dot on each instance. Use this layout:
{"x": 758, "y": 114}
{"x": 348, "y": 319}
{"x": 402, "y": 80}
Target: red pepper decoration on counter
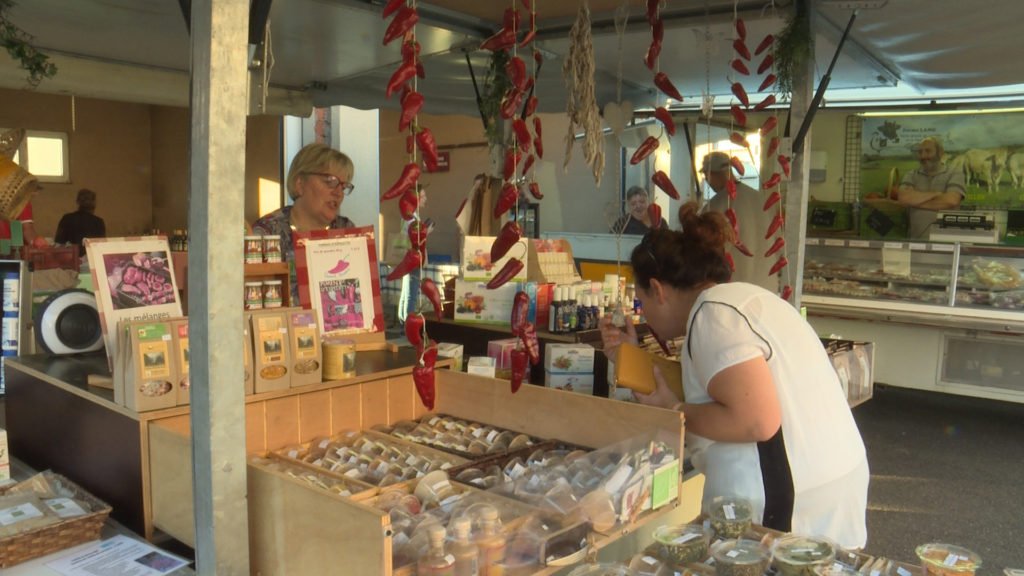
{"x": 740, "y": 67}
{"x": 769, "y": 124}
{"x": 777, "y": 223}
{"x": 768, "y": 40}
{"x": 741, "y": 29}
{"x": 520, "y": 312}
{"x": 522, "y": 134}
{"x": 740, "y": 93}
{"x": 528, "y": 336}
{"x": 654, "y": 212}
{"x": 661, "y": 80}
{"x": 776, "y": 246}
{"x": 730, "y": 188}
{"x": 535, "y": 191}
{"x": 741, "y": 48}
{"x": 423, "y": 378}
{"x": 766, "y": 64}
{"x": 779, "y": 265}
{"x": 737, "y": 165}
{"x": 408, "y": 203}
{"x": 414, "y": 324}
{"x": 410, "y": 174}
{"x": 411, "y": 261}
{"x": 772, "y": 199}
{"x": 646, "y": 148}
{"x": 412, "y": 103}
{"x": 398, "y": 79}
{"x": 665, "y": 117}
{"x": 738, "y": 115}
{"x": 768, "y": 101}
{"x": 404, "y": 20}
{"x": 507, "y": 199}
{"x": 661, "y": 180}
{"x": 784, "y": 164}
{"x": 508, "y": 271}
{"x": 787, "y": 291}
{"x": 768, "y": 81}
{"x": 429, "y": 289}
{"x": 772, "y": 181}
{"x": 508, "y": 237}
{"x": 520, "y": 362}
{"x": 428, "y": 147}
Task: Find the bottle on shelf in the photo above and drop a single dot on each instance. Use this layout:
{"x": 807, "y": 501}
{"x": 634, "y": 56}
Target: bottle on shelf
{"x": 465, "y": 551}
{"x": 491, "y": 543}
{"x": 437, "y": 561}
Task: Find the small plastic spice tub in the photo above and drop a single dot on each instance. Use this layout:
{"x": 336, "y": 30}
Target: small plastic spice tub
{"x": 939, "y": 559}
{"x": 739, "y": 558}
{"x": 682, "y": 544}
{"x": 730, "y": 517}
{"x": 796, "y": 555}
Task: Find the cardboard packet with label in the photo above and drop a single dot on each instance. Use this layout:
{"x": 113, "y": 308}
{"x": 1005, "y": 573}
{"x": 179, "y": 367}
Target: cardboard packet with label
{"x": 272, "y": 352}
{"x": 481, "y": 366}
{"x": 635, "y": 370}
{"x": 569, "y": 358}
{"x": 451, "y": 350}
{"x": 307, "y": 356}
{"x": 150, "y": 367}
{"x": 179, "y": 331}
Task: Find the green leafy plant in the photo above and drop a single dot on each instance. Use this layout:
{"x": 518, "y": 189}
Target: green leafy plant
{"x": 18, "y": 44}
{"x": 496, "y": 84}
{"x": 793, "y": 47}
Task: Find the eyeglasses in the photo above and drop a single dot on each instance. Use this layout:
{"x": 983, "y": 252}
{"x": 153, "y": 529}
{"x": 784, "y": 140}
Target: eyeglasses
{"x": 332, "y": 182}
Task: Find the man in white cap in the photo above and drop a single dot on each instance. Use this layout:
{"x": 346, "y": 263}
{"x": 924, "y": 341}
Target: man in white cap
{"x": 753, "y": 222}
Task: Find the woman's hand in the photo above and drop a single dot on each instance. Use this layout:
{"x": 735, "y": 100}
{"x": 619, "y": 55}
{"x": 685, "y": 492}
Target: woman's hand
{"x": 662, "y": 397}
{"x": 612, "y": 336}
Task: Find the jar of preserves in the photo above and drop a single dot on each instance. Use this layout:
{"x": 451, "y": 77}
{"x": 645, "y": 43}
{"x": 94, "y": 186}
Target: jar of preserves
{"x": 253, "y": 295}
{"x": 272, "y": 248}
{"x": 271, "y": 293}
{"x": 253, "y": 249}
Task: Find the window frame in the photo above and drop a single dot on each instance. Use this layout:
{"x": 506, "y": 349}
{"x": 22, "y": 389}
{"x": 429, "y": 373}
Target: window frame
{"x": 23, "y": 155}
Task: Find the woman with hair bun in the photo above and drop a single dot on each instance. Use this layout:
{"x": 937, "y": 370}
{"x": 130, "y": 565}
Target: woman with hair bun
{"x": 766, "y": 418}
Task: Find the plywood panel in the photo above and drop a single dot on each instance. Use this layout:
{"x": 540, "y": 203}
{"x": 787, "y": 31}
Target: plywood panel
{"x": 314, "y": 415}
{"x": 282, "y": 422}
{"x": 402, "y": 399}
{"x": 346, "y": 412}
{"x": 374, "y": 403}
{"x": 255, "y": 428}
{"x": 170, "y": 467}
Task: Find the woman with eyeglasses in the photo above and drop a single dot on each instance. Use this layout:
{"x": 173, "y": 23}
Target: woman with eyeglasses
{"x": 319, "y": 179}
{"x": 766, "y": 418}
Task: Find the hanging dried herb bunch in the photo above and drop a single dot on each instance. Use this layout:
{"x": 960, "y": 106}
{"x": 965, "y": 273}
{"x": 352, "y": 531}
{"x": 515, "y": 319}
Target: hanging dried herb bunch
{"x": 581, "y": 105}
{"x": 793, "y": 47}
{"x": 496, "y": 84}
{"x": 19, "y": 45}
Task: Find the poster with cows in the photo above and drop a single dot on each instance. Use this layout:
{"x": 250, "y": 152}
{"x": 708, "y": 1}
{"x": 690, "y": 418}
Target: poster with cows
{"x": 987, "y": 149}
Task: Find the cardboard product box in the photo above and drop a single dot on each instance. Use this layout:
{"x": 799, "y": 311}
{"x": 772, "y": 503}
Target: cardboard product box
{"x": 481, "y": 366}
{"x": 854, "y": 364}
{"x": 475, "y": 304}
{"x": 635, "y": 370}
{"x": 5, "y": 457}
{"x": 150, "y": 370}
{"x": 179, "y": 331}
{"x": 551, "y": 262}
{"x": 476, "y": 259}
{"x": 271, "y": 350}
{"x": 545, "y": 294}
{"x": 569, "y": 358}
{"x": 582, "y": 383}
{"x": 452, "y": 350}
{"x": 307, "y": 355}
{"x": 247, "y": 359}
{"x": 501, "y": 351}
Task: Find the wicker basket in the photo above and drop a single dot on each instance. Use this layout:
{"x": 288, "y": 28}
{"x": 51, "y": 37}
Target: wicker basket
{"x": 56, "y": 537}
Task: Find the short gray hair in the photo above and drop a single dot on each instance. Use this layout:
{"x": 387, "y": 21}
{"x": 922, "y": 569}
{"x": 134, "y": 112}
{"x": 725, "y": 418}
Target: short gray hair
{"x": 316, "y": 157}
{"x": 635, "y": 191}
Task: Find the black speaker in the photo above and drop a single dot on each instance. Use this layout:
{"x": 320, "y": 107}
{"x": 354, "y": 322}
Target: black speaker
{"x": 68, "y": 323}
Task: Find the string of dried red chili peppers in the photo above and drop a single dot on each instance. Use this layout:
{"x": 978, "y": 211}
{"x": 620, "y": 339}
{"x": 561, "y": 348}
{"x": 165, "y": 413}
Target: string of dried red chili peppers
{"x": 407, "y": 188}
{"x": 664, "y": 84}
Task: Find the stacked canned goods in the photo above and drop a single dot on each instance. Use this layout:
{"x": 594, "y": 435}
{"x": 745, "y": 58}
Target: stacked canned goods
{"x": 265, "y": 294}
{"x": 260, "y": 249}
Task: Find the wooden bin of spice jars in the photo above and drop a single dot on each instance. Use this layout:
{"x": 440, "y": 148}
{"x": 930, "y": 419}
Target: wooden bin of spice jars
{"x": 297, "y": 529}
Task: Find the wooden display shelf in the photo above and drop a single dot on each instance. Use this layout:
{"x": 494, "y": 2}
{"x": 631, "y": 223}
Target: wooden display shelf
{"x": 266, "y": 269}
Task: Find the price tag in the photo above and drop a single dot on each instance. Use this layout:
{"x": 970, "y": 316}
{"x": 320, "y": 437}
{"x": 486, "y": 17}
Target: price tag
{"x": 918, "y": 246}
{"x": 730, "y": 511}
{"x": 860, "y": 243}
{"x": 732, "y": 553}
{"x": 903, "y": 571}
{"x": 892, "y": 245}
{"x": 896, "y": 261}
{"x": 942, "y": 247}
{"x": 834, "y": 242}
{"x": 19, "y": 513}
{"x": 686, "y": 538}
{"x": 813, "y": 241}
{"x": 951, "y": 560}
{"x": 650, "y": 561}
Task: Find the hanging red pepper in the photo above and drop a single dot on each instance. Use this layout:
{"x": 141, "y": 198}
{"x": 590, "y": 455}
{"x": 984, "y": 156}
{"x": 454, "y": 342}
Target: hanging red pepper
{"x": 538, "y": 144}
{"x": 410, "y": 143}
{"x": 740, "y": 94}
{"x": 652, "y": 10}
{"x": 764, "y": 44}
{"x": 502, "y": 40}
{"x": 412, "y": 103}
{"x": 428, "y": 147}
{"x": 772, "y": 180}
{"x": 661, "y": 180}
{"x": 420, "y": 70}
{"x": 390, "y": 7}
{"x": 408, "y": 203}
{"x": 403, "y": 74}
{"x": 665, "y": 117}
{"x": 429, "y": 289}
{"x": 520, "y": 311}
{"x": 410, "y": 51}
{"x": 730, "y": 188}
{"x": 531, "y": 106}
{"x": 769, "y": 124}
{"x": 658, "y": 30}
{"x": 739, "y": 140}
{"x": 654, "y": 213}
{"x": 768, "y": 101}
{"x": 737, "y": 165}
{"x": 734, "y": 222}
{"x": 777, "y": 223}
{"x": 516, "y": 70}
{"x": 648, "y": 146}
{"x": 507, "y": 199}
{"x": 531, "y": 34}
{"x": 779, "y": 265}
{"x": 651, "y": 58}
{"x": 508, "y": 271}
{"x": 417, "y": 233}
{"x": 787, "y": 291}
{"x": 522, "y": 134}
{"x": 768, "y": 81}
{"x": 784, "y": 163}
{"x": 528, "y": 336}
{"x": 730, "y": 262}
{"x": 773, "y": 145}
{"x": 423, "y": 377}
{"x": 535, "y": 191}
{"x": 742, "y": 248}
{"x": 410, "y": 174}
{"x": 512, "y": 158}
{"x": 772, "y": 199}
{"x": 508, "y": 237}
{"x": 776, "y": 246}
{"x": 528, "y": 164}
{"x": 738, "y": 115}
{"x": 741, "y": 48}
{"x": 414, "y": 329}
{"x": 510, "y": 18}
{"x": 741, "y": 29}
{"x": 404, "y": 20}
{"x": 520, "y": 362}
{"x": 766, "y": 64}
{"x": 661, "y": 80}
{"x": 537, "y": 129}
{"x": 411, "y": 261}
{"x": 739, "y": 66}
{"x": 510, "y": 103}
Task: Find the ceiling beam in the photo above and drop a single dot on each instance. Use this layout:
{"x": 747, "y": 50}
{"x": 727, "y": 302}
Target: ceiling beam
{"x": 887, "y": 73}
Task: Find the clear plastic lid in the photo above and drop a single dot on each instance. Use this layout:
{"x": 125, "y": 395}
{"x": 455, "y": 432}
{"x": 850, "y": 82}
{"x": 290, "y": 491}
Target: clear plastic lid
{"x": 739, "y": 553}
{"x": 948, "y": 558}
{"x": 731, "y": 509}
{"x": 603, "y": 569}
{"x": 795, "y": 550}
{"x": 680, "y": 534}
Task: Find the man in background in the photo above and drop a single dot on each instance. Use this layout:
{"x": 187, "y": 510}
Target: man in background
{"x": 81, "y": 224}
{"x": 638, "y": 219}
{"x": 933, "y": 186}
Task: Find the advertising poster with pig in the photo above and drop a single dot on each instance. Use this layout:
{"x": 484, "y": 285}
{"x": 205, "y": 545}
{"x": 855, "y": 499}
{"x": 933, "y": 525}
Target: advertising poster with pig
{"x": 134, "y": 280}
{"x": 340, "y": 283}
{"x": 987, "y": 149}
